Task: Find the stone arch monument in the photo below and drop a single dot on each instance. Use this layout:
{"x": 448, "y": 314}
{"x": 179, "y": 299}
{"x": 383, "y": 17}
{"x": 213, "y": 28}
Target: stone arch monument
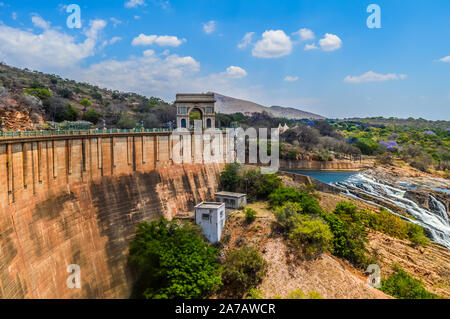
{"x": 186, "y": 103}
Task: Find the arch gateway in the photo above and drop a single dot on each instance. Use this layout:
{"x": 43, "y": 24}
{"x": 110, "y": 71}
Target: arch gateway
{"x": 187, "y": 103}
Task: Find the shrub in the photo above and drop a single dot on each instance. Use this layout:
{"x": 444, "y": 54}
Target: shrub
{"x": 173, "y": 262}
{"x": 299, "y": 294}
{"x": 126, "y": 122}
{"x": 65, "y": 93}
{"x": 255, "y": 294}
{"x": 229, "y": 178}
{"x": 388, "y": 223}
{"x": 243, "y": 269}
{"x": 385, "y": 159}
{"x": 349, "y": 234}
{"x": 402, "y": 285}
{"x": 40, "y": 93}
{"x": 250, "y": 215}
{"x": 394, "y": 226}
{"x": 287, "y": 215}
{"x": 86, "y": 103}
{"x": 416, "y": 235}
{"x": 70, "y": 113}
{"x": 312, "y": 235}
{"x": 422, "y": 162}
{"x": 282, "y": 195}
{"x": 92, "y": 116}
{"x": 296, "y": 294}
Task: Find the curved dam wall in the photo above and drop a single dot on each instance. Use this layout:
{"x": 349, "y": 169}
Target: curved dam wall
{"x": 77, "y": 200}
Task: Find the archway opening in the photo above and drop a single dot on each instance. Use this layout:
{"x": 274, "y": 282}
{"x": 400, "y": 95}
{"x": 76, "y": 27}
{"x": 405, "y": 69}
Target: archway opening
{"x": 194, "y": 115}
{"x": 183, "y": 123}
{"x": 208, "y": 123}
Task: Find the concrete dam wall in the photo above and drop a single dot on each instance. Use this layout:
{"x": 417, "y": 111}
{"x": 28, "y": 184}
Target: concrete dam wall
{"x": 77, "y": 199}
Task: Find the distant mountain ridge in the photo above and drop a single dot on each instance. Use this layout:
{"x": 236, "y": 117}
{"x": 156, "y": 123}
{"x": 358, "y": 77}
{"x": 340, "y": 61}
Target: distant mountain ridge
{"x": 229, "y": 105}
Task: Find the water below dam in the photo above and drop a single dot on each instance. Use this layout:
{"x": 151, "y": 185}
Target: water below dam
{"x": 434, "y": 220}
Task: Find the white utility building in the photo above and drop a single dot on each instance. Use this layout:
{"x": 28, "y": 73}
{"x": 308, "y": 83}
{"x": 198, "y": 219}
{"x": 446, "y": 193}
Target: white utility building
{"x": 211, "y": 218}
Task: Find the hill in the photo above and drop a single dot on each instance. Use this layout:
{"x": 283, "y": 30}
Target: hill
{"x": 31, "y": 99}
{"x": 229, "y": 105}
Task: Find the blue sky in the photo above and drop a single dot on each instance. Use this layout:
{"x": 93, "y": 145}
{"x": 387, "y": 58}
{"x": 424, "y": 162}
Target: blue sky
{"x": 335, "y": 66}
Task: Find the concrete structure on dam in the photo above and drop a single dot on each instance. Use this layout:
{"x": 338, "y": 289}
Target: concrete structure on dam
{"x": 76, "y": 199}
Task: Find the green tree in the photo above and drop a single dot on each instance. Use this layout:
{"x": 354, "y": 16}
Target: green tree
{"x": 287, "y": 215}
{"x": 250, "y": 215}
{"x": 312, "y": 235}
{"x": 402, "y": 285}
{"x": 243, "y": 269}
{"x": 230, "y": 178}
{"x": 86, "y": 103}
{"x": 40, "y": 93}
{"x": 173, "y": 262}
{"x": 282, "y": 195}
{"x": 91, "y": 116}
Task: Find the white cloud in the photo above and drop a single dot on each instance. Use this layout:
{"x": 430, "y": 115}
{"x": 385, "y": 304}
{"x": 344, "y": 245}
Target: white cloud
{"x": 330, "y": 42}
{"x": 445, "y": 59}
{"x": 236, "y": 72}
{"x": 161, "y": 40}
{"x": 274, "y": 44}
{"x": 305, "y": 34}
{"x": 311, "y": 46}
{"x": 39, "y": 22}
{"x": 114, "y": 40}
{"x": 209, "y": 27}
{"x": 95, "y": 26}
{"x": 115, "y": 21}
{"x": 50, "y": 50}
{"x": 291, "y": 78}
{"x": 246, "y": 40}
{"x": 14, "y": 15}
{"x": 374, "y": 77}
{"x": 137, "y": 17}
{"x": 134, "y": 3}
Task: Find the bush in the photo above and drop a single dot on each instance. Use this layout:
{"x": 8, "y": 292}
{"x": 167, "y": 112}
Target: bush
{"x": 402, "y": 285}
{"x": 422, "y": 162}
{"x": 65, "y": 93}
{"x": 349, "y": 234}
{"x": 92, "y": 116}
{"x": 86, "y": 103}
{"x": 312, "y": 235}
{"x": 229, "y": 178}
{"x": 389, "y": 224}
{"x": 282, "y": 195}
{"x": 250, "y": 215}
{"x": 255, "y": 294}
{"x": 173, "y": 262}
{"x": 299, "y": 294}
{"x": 243, "y": 269}
{"x": 40, "y": 93}
{"x": 416, "y": 235}
{"x": 385, "y": 159}
{"x": 126, "y": 122}
{"x": 287, "y": 215}
{"x": 394, "y": 226}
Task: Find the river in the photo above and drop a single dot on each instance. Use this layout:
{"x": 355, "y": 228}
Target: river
{"x": 435, "y": 221}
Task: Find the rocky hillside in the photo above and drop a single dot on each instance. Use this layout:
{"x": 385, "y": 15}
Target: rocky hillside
{"x": 229, "y": 105}
{"x": 31, "y": 97}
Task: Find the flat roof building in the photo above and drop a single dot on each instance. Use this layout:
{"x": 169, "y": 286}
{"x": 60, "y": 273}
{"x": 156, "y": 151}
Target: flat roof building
{"x": 232, "y": 200}
{"x": 211, "y": 218}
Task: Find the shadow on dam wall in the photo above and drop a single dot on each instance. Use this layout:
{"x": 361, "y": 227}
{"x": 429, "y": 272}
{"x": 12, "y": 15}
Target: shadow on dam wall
{"x": 50, "y": 218}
